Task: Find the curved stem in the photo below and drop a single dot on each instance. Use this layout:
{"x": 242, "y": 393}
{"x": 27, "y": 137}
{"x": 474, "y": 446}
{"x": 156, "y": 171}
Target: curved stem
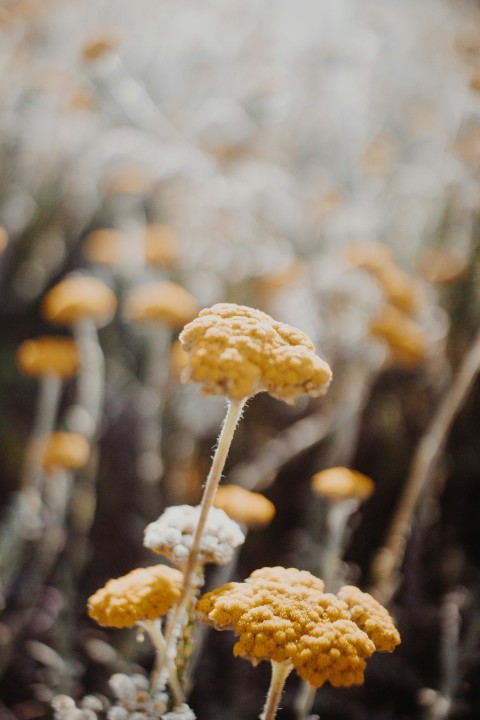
{"x": 280, "y": 672}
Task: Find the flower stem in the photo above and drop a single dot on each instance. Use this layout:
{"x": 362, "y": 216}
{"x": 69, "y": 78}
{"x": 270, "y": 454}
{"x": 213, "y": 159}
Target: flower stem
{"x": 280, "y": 672}
{"x": 162, "y": 659}
{"x": 179, "y": 615}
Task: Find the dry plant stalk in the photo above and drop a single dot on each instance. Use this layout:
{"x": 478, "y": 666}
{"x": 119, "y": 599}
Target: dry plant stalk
{"x": 388, "y": 559}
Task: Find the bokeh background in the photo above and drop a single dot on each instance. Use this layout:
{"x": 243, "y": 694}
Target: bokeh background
{"x": 241, "y": 150}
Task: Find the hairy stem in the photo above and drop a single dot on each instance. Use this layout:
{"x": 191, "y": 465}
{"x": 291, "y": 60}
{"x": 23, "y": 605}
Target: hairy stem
{"x": 280, "y": 672}
{"x": 154, "y": 630}
{"x": 180, "y": 615}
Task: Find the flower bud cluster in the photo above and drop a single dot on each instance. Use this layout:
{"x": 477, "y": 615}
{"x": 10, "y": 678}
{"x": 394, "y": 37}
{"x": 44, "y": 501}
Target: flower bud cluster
{"x": 172, "y": 535}
{"x": 133, "y": 701}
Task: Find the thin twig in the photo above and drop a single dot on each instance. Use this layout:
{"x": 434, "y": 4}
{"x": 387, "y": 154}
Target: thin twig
{"x": 387, "y": 561}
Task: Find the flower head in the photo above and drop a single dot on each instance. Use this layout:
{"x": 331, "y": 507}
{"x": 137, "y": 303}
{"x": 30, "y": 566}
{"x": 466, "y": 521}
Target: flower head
{"x": 250, "y": 508}
{"x": 401, "y": 290}
{"x": 282, "y": 614}
{"x": 78, "y": 298}
{"x": 340, "y": 483}
{"x": 172, "y": 535}
{"x": 161, "y": 245}
{"x": 142, "y": 594}
{"x": 406, "y": 340}
{"x": 105, "y": 246}
{"x": 371, "y": 617}
{"x": 162, "y": 302}
{"x": 49, "y": 356}
{"x": 238, "y": 351}
{"x": 65, "y": 450}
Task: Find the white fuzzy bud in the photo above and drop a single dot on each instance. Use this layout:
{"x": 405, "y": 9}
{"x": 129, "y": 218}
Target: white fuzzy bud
{"x": 172, "y": 535}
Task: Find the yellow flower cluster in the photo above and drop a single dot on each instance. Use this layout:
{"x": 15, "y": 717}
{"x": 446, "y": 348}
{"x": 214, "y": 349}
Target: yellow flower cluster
{"x": 405, "y": 338}
{"x": 282, "y": 614}
{"x": 163, "y": 302}
{"x": 248, "y": 508}
{"x": 49, "y": 356}
{"x": 239, "y": 351}
{"x": 340, "y": 483}
{"x": 142, "y": 594}
{"x": 371, "y": 617}
{"x": 77, "y": 298}
{"x": 65, "y": 450}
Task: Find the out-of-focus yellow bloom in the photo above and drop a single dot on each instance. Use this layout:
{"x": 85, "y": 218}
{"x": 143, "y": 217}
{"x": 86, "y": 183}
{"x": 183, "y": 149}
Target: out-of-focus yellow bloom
{"x": 401, "y": 290}
{"x": 3, "y": 239}
{"x": 101, "y": 44}
{"x": 248, "y": 508}
{"x": 340, "y": 483}
{"x": 239, "y": 351}
{"x": 79, "y": 298}
{"x": 48, "y": 355}
{"x": 283, "y": 615}
{"x": 406, "y": 340}
{"x": 165, "y": 303}
{"x": 440, "y": 267}
{"x": 142, "y": 594}
{"x": 104, "y": 246}
{"x": 161, "y": 246}
{"x": 65, "y": 450}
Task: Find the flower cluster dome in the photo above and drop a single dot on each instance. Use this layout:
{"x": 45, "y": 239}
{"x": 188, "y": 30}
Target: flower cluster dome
{"x": 238, "y": 351}
{"x": 283, "y": 615}
{"x": 172, "y": 535}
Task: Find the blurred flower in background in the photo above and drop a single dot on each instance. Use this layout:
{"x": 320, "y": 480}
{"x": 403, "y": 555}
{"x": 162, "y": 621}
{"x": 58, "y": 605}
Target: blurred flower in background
{"x": 320, "y": 162}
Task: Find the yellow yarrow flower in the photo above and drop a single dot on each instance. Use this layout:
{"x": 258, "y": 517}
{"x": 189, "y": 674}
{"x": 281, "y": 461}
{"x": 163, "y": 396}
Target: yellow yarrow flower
{"x": 238, "y": 351}
{"x": 142, "y": 594}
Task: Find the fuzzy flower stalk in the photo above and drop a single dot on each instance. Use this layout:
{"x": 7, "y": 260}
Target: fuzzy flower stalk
{"x": 284, "y": 616}
{"x": 238, "y": 351}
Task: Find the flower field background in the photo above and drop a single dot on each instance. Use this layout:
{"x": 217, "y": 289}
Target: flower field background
{"x": 317, "y": 161}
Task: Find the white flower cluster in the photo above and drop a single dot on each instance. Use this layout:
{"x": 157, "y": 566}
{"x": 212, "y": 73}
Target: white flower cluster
{"x": 65, "y": 708}
{"x": 181, "y": 713}
{"x": 172, "y": 535}
{"x": 133, "y": 702}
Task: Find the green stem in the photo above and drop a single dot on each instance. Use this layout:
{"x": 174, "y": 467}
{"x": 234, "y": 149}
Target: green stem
{"x": 280, "y": 672}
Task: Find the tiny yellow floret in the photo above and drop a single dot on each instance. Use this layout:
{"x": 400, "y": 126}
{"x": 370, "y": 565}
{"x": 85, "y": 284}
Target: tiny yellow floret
{"x": 239, "y": 351}
{"x": 142, "y": 594}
